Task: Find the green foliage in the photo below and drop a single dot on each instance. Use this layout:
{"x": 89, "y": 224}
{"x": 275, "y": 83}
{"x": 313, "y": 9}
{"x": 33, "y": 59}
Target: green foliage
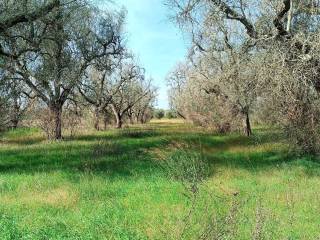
{"x": 189, "y": 167}
{"x": 171, "y": 114}
{"x": 159, "y": 114}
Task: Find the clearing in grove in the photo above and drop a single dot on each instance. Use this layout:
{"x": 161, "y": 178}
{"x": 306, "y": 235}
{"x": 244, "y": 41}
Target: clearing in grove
{"x": 124, "y": 184}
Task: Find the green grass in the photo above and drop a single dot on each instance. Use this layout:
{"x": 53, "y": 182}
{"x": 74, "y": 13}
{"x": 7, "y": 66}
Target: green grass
{"x": 113, "y": 185}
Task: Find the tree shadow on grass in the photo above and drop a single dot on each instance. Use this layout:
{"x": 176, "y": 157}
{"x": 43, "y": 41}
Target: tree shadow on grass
{"x": 264, "y": 161}
{"x": 118, "y": 153}
{"x": 123, "y": 158}
{"x": 264, "y": 151}
{"x": 127, "y": 153}
{"x": 118, "y": 135}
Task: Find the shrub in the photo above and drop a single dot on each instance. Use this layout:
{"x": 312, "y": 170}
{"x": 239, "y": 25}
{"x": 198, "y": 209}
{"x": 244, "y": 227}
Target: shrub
{"x": 159, "y": 114}
{"x": 191, "y": 168}
{"x": 171, "y": 114}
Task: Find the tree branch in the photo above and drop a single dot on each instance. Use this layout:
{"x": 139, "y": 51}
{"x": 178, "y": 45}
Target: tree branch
{"x": 26, "y": 17}
{"x": 234, "y": 15}
{"x": 278, "y": 21}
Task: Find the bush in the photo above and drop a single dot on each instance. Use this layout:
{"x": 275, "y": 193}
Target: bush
{"x": 159, "y": 114}
{"x": 171, "y": 114}
{"x": 188, "y": 167}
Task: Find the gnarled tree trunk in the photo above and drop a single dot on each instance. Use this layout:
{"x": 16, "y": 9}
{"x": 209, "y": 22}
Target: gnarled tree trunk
{"x": 118, "y": 116}
{"x": 15, "y": 118}
{"x": 247, "y": 125}
{"x": 118, "y": 120}
{"x": 56, "y": 111}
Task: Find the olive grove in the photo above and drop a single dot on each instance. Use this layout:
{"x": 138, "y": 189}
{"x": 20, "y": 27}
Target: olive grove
{"x": 251, "y": 58}
{"x": 62, "y": 53}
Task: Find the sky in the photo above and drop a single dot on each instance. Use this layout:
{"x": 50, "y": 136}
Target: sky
{"x": 155, "y": 40}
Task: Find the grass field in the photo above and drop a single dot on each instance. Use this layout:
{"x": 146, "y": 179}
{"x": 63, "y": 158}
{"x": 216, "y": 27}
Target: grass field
{"x": 115, "y": 185}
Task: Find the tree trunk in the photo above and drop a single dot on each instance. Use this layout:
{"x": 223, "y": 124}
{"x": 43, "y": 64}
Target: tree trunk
{"x": 118, "y": 116}
{"x": 119, "y": 120}
{"x": 97, "y": 119}
{"x": 131, "y": 119}
{"x": 15, "y": 115}
{"x": 290, "y": 16}
{"x": 247, "y": 125}
{"x": 14, "y": 123}
{"x": 57, "y": 114}
{"x": 181, "y": 115}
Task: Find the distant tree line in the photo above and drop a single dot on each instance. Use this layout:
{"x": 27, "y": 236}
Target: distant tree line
{"x": 60, "y": 59}
{"x": 160, "y": 113}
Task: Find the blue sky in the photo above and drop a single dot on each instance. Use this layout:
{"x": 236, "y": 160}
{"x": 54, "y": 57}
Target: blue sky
{"x": 156, "y": 41}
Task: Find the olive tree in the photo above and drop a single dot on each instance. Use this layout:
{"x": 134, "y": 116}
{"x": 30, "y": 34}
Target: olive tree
{"x": 134, "y": 89}
{"x": 101, "y": 82}
{"x": 142, "y": 111}
{"x": 53, "y": 52}
{"x": 18, "y": 99}
{"x": 270, "y": 47}
{"x": 202, "y": 102}
{"x": 17, "y": 12}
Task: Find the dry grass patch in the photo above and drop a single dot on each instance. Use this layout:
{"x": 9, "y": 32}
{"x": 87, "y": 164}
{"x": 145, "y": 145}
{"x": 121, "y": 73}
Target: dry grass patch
{"x": 61, "y": 197}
